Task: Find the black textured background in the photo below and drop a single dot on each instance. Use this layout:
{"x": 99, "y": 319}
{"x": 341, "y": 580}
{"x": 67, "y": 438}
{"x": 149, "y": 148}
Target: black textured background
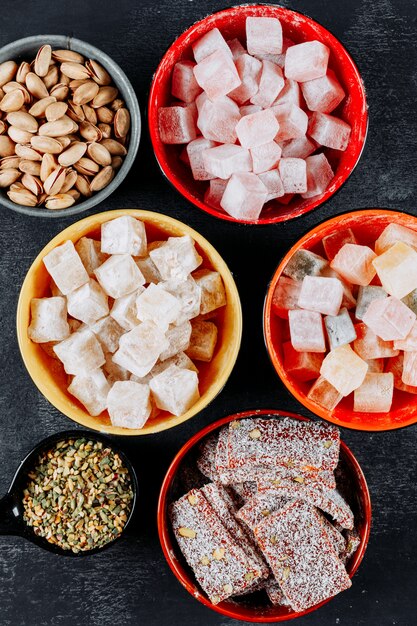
{"x": 131, "y": 583}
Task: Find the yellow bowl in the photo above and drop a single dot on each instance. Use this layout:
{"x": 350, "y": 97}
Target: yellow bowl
{"x": 48, "y": 374}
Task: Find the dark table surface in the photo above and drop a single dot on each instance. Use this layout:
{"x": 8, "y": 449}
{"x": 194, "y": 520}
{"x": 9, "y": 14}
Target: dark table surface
{"x": 131, "y": 583}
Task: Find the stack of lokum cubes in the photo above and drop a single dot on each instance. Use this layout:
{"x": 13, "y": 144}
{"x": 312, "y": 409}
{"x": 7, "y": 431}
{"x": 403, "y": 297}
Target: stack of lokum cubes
{"x": 352, "y": 318}
{"x": 272, "y": 517}
{"x": 253, "y": 116}
{"x": 127, "y": 318}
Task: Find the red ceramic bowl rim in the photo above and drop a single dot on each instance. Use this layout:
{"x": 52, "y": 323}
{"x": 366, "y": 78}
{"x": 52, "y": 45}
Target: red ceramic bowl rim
{"x": 168, "y": 548}
{"x": 183, "y": 190}
{"x": 267, "y": 313}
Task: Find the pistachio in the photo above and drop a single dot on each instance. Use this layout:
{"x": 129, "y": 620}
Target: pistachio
{"x": 105, "y": 96}
{"x": 39, "y": 108}
{"x": 205, "y": 560}
{"x": 36, "y": 86}
{"x": 67, "y": 55}
{"x": 98, "y": 73}
{"x": 218, "y": 554}
{"x": 235, "y": 424}
{"x": 189, "y": 533}
{"x": 74, "y": 70}
{"x": 42, "y": 60}
{"x": 8, "y": 71}
{"x": 265, "y": 512}
{"x": 99, "y": 153}
{"x": 102, "y": 179}
{"x": 116, "y": 162}
{"x": 250, "y": 576}
{"x": 60, "y": 91}
{"x": 75, "y": 112}
{"x": 11, "y": 86}
{"x": 90, "y": 132}
{"x": 23, "y": 197}
{"x": 121, "y": 123}
{"x": 72, "y": 154}
{"x": 32, "y": 183}
{"x": 70, "y": 178}
{"x": 6, "y": 146}
{"x": 117, "y": 104}
{"x": 12, "y": 101}
{"x": 106, "y": 130}
{"x": 273, "y": 539}
{"x": 285, "y": 573}
{"x": 59, "y": 127}
{"x": 22, "y": 72}
{"x": 74, "y": 194}
{"x": 299, "y": 479}
{"x": 26, "y": 152}
{"x": 105, "y": 115}
{"x": 9, "y": 163}
{"x": 90, "y": 114}
{"x": 52, "y": 77}
{"x": 23, "y": 121}
{"x": 227, "y": 588}
{"x": 114, "y": 147}
{"x": 328, "y": 443}
{"x": 47, "y": 166}
{"x": 192, "y": 499}
{"x": 55, "y": 111}
{"x": 82, "y": 184}
{"x": 3, "y": 127}
{"x": 55, "y": 181}
{"x": 46, "y": 144}
{"x": 255, "y": 433}
{"x": 8, "y": 177}
{"x": 30, "y": 167}
{"x": 85, "y": 92}
{"x": 19, "y": 136}
{"x": 64, "y": 141}
{"x": 59, "y": 201}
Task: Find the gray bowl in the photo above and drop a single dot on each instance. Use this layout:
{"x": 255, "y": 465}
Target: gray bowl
{"x": 26, "y": 49}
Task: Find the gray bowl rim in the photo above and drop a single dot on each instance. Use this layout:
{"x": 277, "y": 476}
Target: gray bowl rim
{"x": 17, "y": 49}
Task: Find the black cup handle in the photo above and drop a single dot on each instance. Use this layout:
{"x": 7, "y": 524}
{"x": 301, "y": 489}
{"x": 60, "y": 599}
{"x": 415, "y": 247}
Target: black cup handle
{"x": 11, "y": 522}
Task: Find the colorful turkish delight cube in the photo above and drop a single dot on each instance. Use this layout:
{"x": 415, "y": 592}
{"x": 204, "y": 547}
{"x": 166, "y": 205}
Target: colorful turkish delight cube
{"x": 124, "y": 235}
{"x": 324, "y": 394}
{"x": 329, "y": 131}
{"x": 80, "y": 353}
{"x": 244, "y": 196}
{"x": 397, "y": 269}
{"x": 210, "y": 42}
{"x": 91, "y": 389}
{"x": 119, "y": 275}
{"x": 211, "y": 285}
{"x": 217, "y": 120}
{"x": 263, "y": 35}
{"x": 334, "y": 242}
{"x": 293, "y": 174}
{"x": 409, "y": 375}
{"x": 257, "y": 129}
{"x": 203, "y": 341}
{"x": 304, "y": 263}
{"x": 249, "y": 70}
{"x": 273, "y": 183}
{"x": 139, "y": 349}
{"x": 302, "y": 365}
{"x": 48, "y": 320}
{"x": 366, "y": 295}
{"x": 225, "y": 160}
{"x": 265, "y": 158}
{"x": 176, "y": 125}
{"x": 323, "y": 94}
{"x": 389, "y": 318}
{"x": 88, "y": 303}
{"x": 375, "y": 394}
{"x": 319, "y": 175}
{"x": 306, "y": 330}
{"x": 292, "y": 120}
{"x": 217, "y": 74}
{"x": 90, "y": 254}
{"x": 184, "y": 85}
{"x": 63, "y": 263}
{"x": 129, "y": 404}
{"x": 344, "y": 369}
{"x": 285, "y": 298}
{"x": 395, "y": 233}
{"x": 340, "y": 329}
{"x": 320, "y": 294}
{"x": 369, "y": 346}
{"x": 270, "y": 84}
{"x": 306, "y": 61}
{"x": 354, "y": 263}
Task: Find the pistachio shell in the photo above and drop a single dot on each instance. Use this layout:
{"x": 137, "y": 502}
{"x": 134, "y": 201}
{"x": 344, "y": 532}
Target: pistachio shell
{"x": 99, "y": 153}
{"x": 26, "y": 152}
{"x": 32, "y": 183}
{"x": 85, "y": 92}
{"x": 90, "y": 132}
{"x": 59, "y": 127}
{"x": 47, "y": 166}
{"x": 72, "y": 154}
{"x": 75, "y": 71}
{"x": 19, "y": 136}
{"x": 23, "y": 120}
{"x": 106, "y": 130}
{"x": 12, "y": 101}
{"x": 8, "y": 177}
{"x": 6, "y": 146}
{"x": 114, "y": 147}
{"x": 83, "y": 186}
{"x": 52, "y": 77}
{"x": 86, "y": 166}
{"x": 8, "y": 71}
{"x": 36, "y": 86}
{"x": 38, "y": 109}
{"x": 55, "y": 110}
{"x": 22, "y": 72}
{"x": 121, "y": 123}
{"x": 98, "y": 73}
{"x": 70, "y": 178}
{"x": 105, "y": 96}
{"x": 105, "y": 115}
{"x": 59, "y": 201}
{"x": 30, "y": 167}
{"x": 42, "y": 60}
{"x": 55, "y": 180}
{"x": 9, "y": 163}
{"x": 46, "y": 144}
{"x": 23, "y": 197}
{"x": 67, "y": 55}
{"x": 60, "y": 91}
{"x": 102, "y": 179}
{"x": 90, "y": 114}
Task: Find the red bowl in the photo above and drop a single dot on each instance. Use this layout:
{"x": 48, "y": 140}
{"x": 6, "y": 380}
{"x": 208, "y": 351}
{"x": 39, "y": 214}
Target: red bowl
{"x": 367, "y": 226}
{"x": 361, "y": 505}
{"x": 299, "y": 27}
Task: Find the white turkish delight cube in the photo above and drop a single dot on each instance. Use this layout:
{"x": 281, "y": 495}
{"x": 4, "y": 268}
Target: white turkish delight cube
{"x": 108, "y": 332}
{"x": 129, "y": 404}
{"x": 175, "y": 389}
{"x": 113, "y": 371}
{"x": 124, "y": 235}
{"x": 80, "y": 353}
{"x": 148, "y": 269}
{"x": 179, "y": 340}
{"x": 139, "y": 349}
{"x": 91, "y": 390}
{"x": 176, "y": 258}
{"x": 48, "y": 320}
{"x": 213, "y": 294}
{"x": 65, "y": 266}
{"x": 119, "y": 275}
{"x": 90, "y": 254}
{"x": 88, "y": 303}
{"x": 203, "y": 341}
{"x": 189, "y": 295}
{"x": 124, "y": 310}
{"x": 158, "y": 306}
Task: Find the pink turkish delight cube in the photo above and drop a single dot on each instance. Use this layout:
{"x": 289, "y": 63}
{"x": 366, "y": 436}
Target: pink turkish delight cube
{"x": 409, "y": 344}
{"x": 394, "y": 233}
{"x": 375, "y": 394}
{"x": 323, "y": 94}
{"x": 397, "y": 269}
{"x": 212, "y": 41}
{"x": 389, "y": 318}
{"x": 265, "y": 157}
{"x": 344, "y": 369}
{"x": 263, "y": 35}
{"x": 270, "y": 85}
{"x": 329, "y": 131}
{"x": 273, "y": 183}
{"x": 299, "y": 148}
{"x": 217, "y": 120}
{"x": 334, "y": 242}
{"x": 184, "y": 85}
{"x": 257, "y": 129}
{"x": 369, "y": 346}
{"x": 293, "y": 174}
{"x": 217, "y": 74}
{"x": 306, "y": 329}
{"x": 302, "y": 365}
{"x": 214, "y": 193}
{"x": 396, "y": 365}
{"x": 223, "y": 161}
{"x": 244, "y": 196}
{"x": 354, "y": 263}
{"x": 195, "y": 151}
{"x": 249, "y": 70}
{"x": 176, "y": 125}
{"x": 324, "y": 394}
{"x": 319, "y": 175}
{"x": 306, "y": 61}
{"x": 289, "y": 94}
{"x": 323, "y": 295}
{"x": 409, "y": 375}
{"x": 293, "y": 121}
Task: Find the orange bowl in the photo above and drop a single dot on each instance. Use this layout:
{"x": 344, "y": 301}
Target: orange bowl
{"x": 245, "y": 610}
{"x": 48, "y": 373}
{"x": 299, "y": 28}
{"x": 367, "y": 225}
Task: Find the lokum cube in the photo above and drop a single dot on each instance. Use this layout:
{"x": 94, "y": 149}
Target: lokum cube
{"x": 319, "y": 175}
{"x": 299, "y": 148}
{"x": 223, "y": 161}
{"x": 91, "y": 390}
{"x": 304, "y": 263}
{"x": 270, "y": 84}
{"x": 395, "y": 233}
{"x": 188, "y": 293}
{"x": 113, "y": 371}
{"x": 184, "y": 85}
{"x": 176, "y": 258}
{"x": 158, "y": 306}
{"x": 409, "y": 344}
{"x": 217, "y": 74}
{"x": 306, "y": 328}
{"x": 90, "y": 254}
{"x": 265, "y": 157}
{"x": 217, "y": 120}
{"x": 129, "y": 404}
{"x": 410, "y": 300}
{"x": 176, "y": 125}
{"x": 389, "y": 318}
{"x": 108, "y": 332}
{"x": 124, "y": 235}
{"x": 323, "y": 94}
{"x": 375, "y": 394}
{"x": 340, "y": 329}
{"x": 88, "y": 303}
{"x": 203, "y": 341}
{"x": 263, "y": 35}
{"x": 369, "y": 346}
{"x": 306, "y": 61}
{"x": 298, "y": 549}
{"x": 293, "y": 121}
{"x": 148, "y": 269}
{"x": 324, "y": 394}
{"x": 63, "y": 263}
{"x": 257, "y": 129}
{"x": 175, "y": 389}
{"x": 285, "y": 298}
{"x": 354, "y": 264}
{"x": 397, "y": 269}
{"x": 289, "y": 94}
{"x": 273, "y": 183}
{"x": 124, "y": 310}
{"x": 302, "y": 365}
{"x": 139, "y": 349}
{"x": 249, "y": 70}
{"x": 214, "y": 193}
{"x": 48, "y": 320}
{"x": 236, "y": 48}
{"x": 366, "y": 295}
{"x": 244, "y": 196}
{"x": 293, "y": 174}
{"x": 395, "y": 365}
{"x": 334, "y": 242}
{"x": 210, "y": 42}
{"x": 179, "y": 340}
{"x": 119, "y": 275}
{"x": 320, "y": 294}
{"x": 329, "y": 131}
{"x": 344, "y": 369}
{"x": 80, "y": 353}
{"x": 349, "y": 301}
{"x": 213, "y": 294}
{"x": 409, "y": 375}
{"x": 195, "y": 151}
